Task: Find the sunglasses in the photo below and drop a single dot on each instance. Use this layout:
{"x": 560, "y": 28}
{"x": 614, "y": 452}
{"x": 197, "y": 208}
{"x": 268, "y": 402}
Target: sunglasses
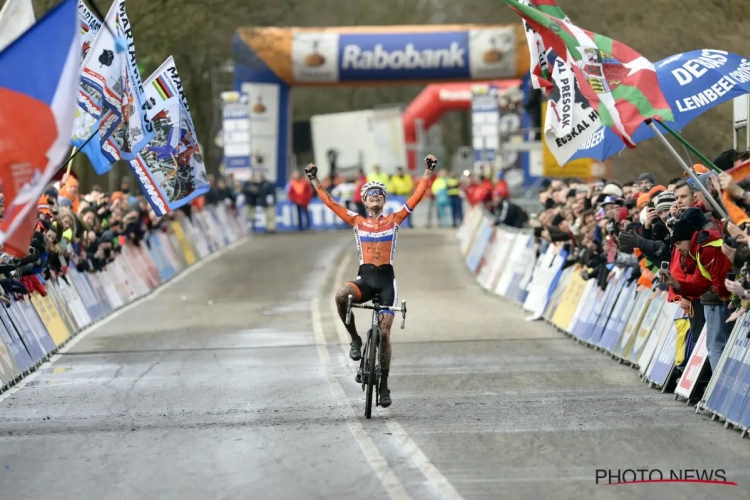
{"x": 371, "y": 192}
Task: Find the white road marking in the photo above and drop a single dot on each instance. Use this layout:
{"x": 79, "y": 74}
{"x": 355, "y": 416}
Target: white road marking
{"x": 384, "y": 473}
{"x": 418, "y": 458}
{"x": 149, "y": 296}
{"x": 409, "y": 448}
{"x": 344, "y": 336}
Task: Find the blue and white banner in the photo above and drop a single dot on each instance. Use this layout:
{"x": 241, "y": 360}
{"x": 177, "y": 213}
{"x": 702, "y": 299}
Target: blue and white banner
{"x": 422, "y": 55}
{"x": 263, "y": 102}
{"x": 236, "y": 135}
{"x": 321, "y": 218}
{"x": 485, "y": 119}
{"x": 730, "y": 379}
{"x": 124, "y": 128}
{"x": 89, "y": 97}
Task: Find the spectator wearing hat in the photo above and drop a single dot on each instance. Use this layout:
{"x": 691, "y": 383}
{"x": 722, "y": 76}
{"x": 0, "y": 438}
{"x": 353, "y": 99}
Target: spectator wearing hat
{"x": 44, "y": 207}
{"x": 69, "y": 190}
{"x": 699, "y": 251}
{"x": 646, "y": 181}
{"x": 611, "y": 205}
{"x": 663, "y": 204}
{"x": 613, "y": 189}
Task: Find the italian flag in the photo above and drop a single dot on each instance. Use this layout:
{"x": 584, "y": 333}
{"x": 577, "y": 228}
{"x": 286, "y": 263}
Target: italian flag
{"x": 619, "y": 83}
{"x": 541, "y": 72}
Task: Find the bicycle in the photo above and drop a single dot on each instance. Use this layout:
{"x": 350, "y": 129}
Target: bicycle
{"x": 369, "y": 367}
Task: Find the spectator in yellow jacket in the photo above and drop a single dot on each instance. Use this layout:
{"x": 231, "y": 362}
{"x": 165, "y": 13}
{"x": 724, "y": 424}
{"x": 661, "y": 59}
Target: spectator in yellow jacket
{"x": 401, "y": 183}
{"x": 378, "y": 175}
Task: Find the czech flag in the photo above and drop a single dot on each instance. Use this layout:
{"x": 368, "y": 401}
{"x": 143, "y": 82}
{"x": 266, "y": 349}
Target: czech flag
{"x": 38, "y": 86}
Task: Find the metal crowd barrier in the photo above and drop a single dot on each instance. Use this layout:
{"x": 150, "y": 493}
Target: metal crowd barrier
{"x": 631, "y": 324}
{"x": 32, "y": 328}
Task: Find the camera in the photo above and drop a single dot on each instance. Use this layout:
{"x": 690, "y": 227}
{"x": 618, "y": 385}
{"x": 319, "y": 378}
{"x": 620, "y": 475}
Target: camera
{"x": 664, "y": 267}
{"x": 731, "y": 241}
{"x": 612, "y": 227}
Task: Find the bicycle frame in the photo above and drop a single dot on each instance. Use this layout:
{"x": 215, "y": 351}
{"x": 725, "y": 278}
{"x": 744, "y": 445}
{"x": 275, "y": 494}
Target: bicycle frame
{"x": 369, "y": 367}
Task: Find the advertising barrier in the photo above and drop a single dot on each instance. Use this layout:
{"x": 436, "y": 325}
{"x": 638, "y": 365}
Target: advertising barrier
{"x": 34, "y": 327}
{"x": 629, "y": 322}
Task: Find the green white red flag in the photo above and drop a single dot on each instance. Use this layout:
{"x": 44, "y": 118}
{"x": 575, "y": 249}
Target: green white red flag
{"x": 619, "y": 83}
{"x": 541, "y": 73}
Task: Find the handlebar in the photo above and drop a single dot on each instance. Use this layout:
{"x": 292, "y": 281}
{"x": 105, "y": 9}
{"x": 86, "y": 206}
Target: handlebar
{"x": 374, "y": 307}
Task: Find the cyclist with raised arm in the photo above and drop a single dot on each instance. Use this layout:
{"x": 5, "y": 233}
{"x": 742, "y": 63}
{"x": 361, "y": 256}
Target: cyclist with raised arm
{"x": 376, "y": 245}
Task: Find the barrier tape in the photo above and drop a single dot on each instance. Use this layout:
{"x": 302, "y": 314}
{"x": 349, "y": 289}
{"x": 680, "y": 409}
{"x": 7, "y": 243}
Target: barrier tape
{"x": 630, "y": 323}
{"x": 34, "y": 327}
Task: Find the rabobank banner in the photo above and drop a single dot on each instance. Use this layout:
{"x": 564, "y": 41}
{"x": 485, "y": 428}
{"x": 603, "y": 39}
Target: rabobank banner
{"x": 417, "y": 56}
{"x": 413, "y": 56}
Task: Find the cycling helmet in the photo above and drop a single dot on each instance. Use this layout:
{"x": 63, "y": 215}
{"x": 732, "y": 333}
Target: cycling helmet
{"x": 373, "y": 185}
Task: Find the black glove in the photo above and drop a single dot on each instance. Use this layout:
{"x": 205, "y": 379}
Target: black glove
{"x": 431, "y": 162}
{"x": 311, "y": 171}
{"x": 629, "y": 241}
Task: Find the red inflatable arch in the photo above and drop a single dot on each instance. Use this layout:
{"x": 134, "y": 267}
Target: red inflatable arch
{"x": 437, "y": 98}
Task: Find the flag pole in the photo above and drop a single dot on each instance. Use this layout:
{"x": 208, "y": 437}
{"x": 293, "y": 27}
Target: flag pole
{"x": 70, "y": 162}
{"x": 687, "y": 169}
{"x": 706, "y": 161}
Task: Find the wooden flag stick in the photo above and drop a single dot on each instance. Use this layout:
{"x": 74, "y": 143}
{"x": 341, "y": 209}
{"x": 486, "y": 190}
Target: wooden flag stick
{"x": 70, "y": 162}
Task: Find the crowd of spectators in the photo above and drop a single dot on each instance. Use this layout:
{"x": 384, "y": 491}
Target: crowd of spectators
{"x": 87, "y": 231}
{"x": 669, "y": 235}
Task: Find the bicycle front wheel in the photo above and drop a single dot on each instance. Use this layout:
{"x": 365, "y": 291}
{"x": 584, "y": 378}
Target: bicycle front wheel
{"x": 370, "y": 372}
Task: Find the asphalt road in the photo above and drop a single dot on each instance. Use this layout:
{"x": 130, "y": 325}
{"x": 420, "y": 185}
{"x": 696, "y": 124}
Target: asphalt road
{"x": 233, "y": 383}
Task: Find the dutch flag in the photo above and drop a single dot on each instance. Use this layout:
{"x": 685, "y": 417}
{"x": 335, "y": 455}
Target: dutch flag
{"x": 38, "y": 85}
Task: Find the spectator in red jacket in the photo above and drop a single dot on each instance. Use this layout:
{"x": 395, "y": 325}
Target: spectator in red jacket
{"x": 300, "y": 193}
{"x": 703, "y": 247}
{"x": 501, "y": 188}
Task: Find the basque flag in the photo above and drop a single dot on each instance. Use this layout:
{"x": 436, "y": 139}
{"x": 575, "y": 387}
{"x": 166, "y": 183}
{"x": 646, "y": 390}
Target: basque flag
{"x": 38, "y": 86}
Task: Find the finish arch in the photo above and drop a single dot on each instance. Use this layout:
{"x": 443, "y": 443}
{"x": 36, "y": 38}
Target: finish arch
{"x": 269, "y": 62}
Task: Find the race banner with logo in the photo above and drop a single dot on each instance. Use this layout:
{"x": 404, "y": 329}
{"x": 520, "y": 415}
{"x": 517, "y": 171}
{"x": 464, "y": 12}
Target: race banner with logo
{"x": 485, "y": 120}
{"x": 124, "y": 128}
{"x": 170, "y": 167}
{"x": 489, "y": 52}
{"x": 236, "y": 135}
{"x": 263, "y": 100}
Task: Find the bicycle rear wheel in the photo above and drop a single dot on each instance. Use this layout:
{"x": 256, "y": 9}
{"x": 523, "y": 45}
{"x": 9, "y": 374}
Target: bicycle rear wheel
{"x": 370, "y": 372}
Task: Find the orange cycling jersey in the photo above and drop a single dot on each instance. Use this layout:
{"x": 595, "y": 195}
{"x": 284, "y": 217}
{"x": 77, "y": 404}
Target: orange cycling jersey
{"x": 376, "y": 238}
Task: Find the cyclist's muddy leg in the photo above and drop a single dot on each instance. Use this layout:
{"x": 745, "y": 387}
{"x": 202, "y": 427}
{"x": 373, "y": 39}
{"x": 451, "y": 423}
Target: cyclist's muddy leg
{"x": 342, "y": 297}
{"x": 386, "y": 320}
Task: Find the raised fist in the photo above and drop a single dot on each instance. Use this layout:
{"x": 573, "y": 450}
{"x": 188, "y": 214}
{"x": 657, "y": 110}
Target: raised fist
{"x": 430, "y": 162}
{"x": 311, "y": 171}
